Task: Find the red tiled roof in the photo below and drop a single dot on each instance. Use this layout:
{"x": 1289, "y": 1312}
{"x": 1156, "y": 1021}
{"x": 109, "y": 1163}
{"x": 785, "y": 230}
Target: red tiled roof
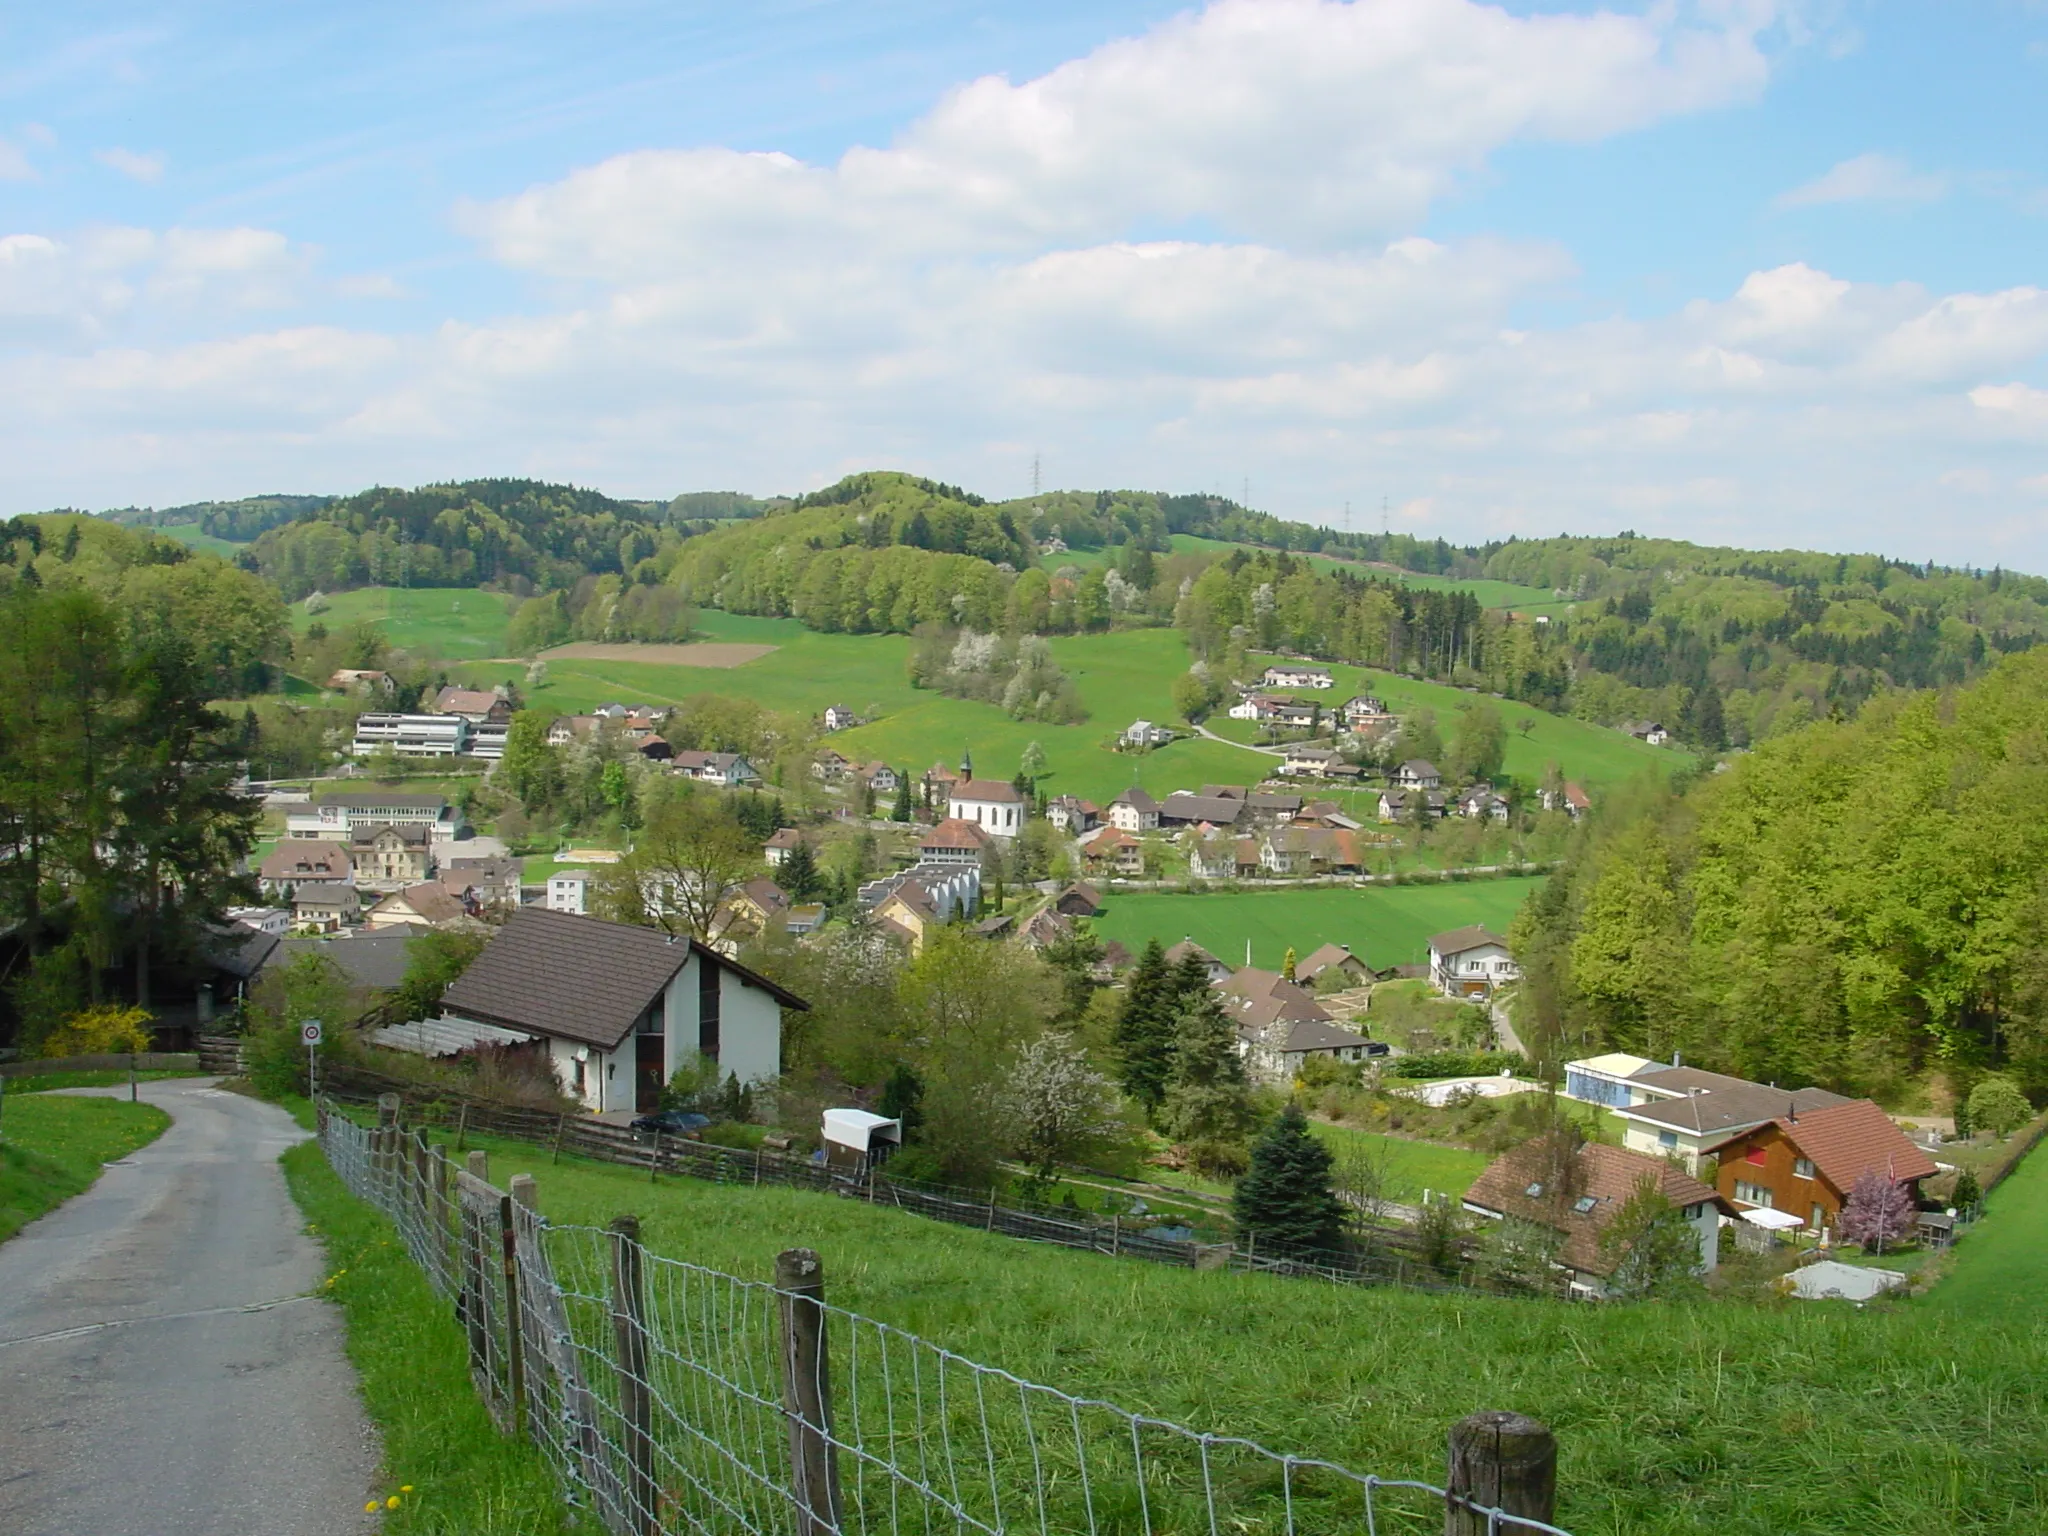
{"x": 1846, "y": 1140}
{"x": 1608, "y": 1176}
{"x": 991, "y": 791}
{"x": 954, "y": 833}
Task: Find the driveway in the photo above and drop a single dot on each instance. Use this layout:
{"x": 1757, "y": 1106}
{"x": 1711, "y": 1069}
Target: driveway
{"x": 163, "y": 1368}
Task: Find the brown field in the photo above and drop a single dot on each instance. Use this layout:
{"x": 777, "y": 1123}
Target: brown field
{"x": 701, "y": 653}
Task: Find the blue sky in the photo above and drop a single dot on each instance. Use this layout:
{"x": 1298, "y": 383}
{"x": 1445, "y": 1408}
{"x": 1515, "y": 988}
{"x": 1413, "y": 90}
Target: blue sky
{"x": 1744, "y": 272}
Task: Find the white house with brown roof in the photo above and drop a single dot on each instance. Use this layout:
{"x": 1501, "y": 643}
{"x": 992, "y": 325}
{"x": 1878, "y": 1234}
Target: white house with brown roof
{"x": 291, "y": 864}
{"x": 954, "y": 841}
{"x": 779, "y": 847}
{"x": 1134, "y": 811}
{"x": 1471, "y": 963}
{"x": 1294, "y": 675}
{"x": 1281, "y": 1027}
{"x": 622, "y": 1008}
{"x": 475, "y": 705}
{"x": 992, "y": 805}
{"x": 721, "y": 768}
{"x": 430, "y": 903}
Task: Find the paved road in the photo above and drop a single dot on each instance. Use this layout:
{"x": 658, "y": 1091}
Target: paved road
{"x": 188, "y": 1416}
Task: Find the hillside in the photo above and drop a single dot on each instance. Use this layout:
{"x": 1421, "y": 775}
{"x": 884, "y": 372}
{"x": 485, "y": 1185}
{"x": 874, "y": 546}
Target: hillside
{"x": 1672, "y": 1418}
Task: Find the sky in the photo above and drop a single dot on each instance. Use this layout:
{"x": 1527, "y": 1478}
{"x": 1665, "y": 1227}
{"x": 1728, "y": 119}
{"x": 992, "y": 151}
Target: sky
{"x": 1744, "y": 272}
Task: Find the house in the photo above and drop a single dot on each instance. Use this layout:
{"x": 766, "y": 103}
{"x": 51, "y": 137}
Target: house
{"x": 1134, "y": 811}
{"x": 1113, "y": 848}
{"x": 1470, "y": 963}
{"x": 997, "y": 927}
{"x": 564, "y": 729}
{"x": 954, "y": 841}
{"x": 1332, "y": 959}
{"x": 939, "y": 781}
{"x": 1692, "y": 1110}
{"x": 410, "y": 735}
{"x": 1418, "y": 773}
{"x": 1571, "y": 799}
{"x": 1404, "y": 804}
{"x": 1280, "y": 1026}
{"x": 1292, "y": 850}
{"x": 1183, "y": 809}
{"x": 361, "y": 680}
{"x": 568, "y": 890}
{"x": 1363, "y": 712}
{"x": 1806, "y": 1162}
{"x": 335, "y": 818}
{"x": 1253, "y": 706}
{"x": 1648, "y": 730}
{"x": 388, "y": 857}
{"x": 1310, "y": 762}
{"x": 1046, "y": 929}
{"x": 909, "y": 905}
{"x": 803, "y": 920}
{"x": 1600, "y": 1181}
{"x": 991, "y": 804}
{"x": 654, "y": 748}
{"x": 879, "y": 777}
{"x": 494, "y": 880}
{"x": 1213, "y": 857}
{"x": 275, "y": 921}
{"x": 1216, "y": 970}
{"x": 1113, "y": 962}
{"x": 724, "y": 768}
{"x": 1291, "y": 675}
{"x": 1273, "y": 805}
{"x": 475, "y": 705}
{"x": 1078, "y": 900}
{"x": 1616, "y": 1079}
{"x": 1144, "y": 734}
{"x": 749, "y": 910}
{"x": 292, "y": 864}
{"x": 622, "y": 1008}
{"x": 838, "y": 717}
{"x": 325, "y": 904}
{"x": 779, "y": 847}
{"x": 1073, "y": 815}
{"x": 829, "y": 765}
{"x": 1480, "y": 803}
{"x": 430, "y": 903}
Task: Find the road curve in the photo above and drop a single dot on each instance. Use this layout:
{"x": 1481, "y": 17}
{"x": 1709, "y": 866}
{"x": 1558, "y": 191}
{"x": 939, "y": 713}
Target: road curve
{"x": 138, "y": 1397}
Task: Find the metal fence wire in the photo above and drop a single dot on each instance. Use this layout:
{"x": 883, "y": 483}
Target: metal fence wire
{"x": 673, "y": 1398}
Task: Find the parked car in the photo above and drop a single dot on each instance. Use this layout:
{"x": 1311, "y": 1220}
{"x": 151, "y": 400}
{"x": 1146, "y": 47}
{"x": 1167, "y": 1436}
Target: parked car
{"x": 1378, "y": 1048}
{"x": 672, "y": 1122}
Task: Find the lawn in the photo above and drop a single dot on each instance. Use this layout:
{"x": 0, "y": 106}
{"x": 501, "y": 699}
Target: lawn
{"x": 190, "y": 536}
{"x": 1672, "y": 1418}
{"x": 1385, "y": 925}
{"x": 457, "y": 623}
{"x": 52, "y": 1146}
{"x": 1999, "y": 1269}
{"x": 1412, "y": 1166}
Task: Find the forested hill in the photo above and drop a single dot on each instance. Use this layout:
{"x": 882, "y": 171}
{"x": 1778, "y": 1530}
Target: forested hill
{"x": 1855, "y": 903}
{"x": 237, "y": 521}
{"x": 521, "y": 535}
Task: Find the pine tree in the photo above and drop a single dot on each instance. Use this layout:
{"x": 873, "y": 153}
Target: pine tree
{"x": 1187, "y": 982}
{"x": 798, "y": 872}
{"x": 902, "y": 810}
{"x": 1144, "y": 1028}
{"x": 1208, "y": 1103}
{"x": 1285, "y": 1201}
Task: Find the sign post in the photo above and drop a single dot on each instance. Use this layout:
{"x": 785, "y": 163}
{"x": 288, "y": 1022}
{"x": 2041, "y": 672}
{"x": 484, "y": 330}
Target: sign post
{"x": 310, "y": 1032}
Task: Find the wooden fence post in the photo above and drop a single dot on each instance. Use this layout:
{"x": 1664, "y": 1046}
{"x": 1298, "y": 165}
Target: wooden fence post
{"x": 461, "y": 1126}
{"x": 636, "y": 1394}
{"x": 384, "y": 1149}
{"x": 1501, "y": 1460}
{"x": 561, "y": 1124}
{"x": 515, "y": 1338}
{"x": 807, "y": 1392}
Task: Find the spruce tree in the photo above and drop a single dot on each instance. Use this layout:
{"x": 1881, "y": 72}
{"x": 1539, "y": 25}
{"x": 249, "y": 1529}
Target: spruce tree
{"x": 1208, "y": 1103}
{"x": 1187, "y": 983}
{"x": 1144, "y": 1028}
{"x": 798, "y": 872}
{"x": 1285, "y": 1201}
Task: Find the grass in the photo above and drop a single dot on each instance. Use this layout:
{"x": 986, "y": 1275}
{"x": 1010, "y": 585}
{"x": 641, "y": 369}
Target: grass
{"x": 458, "y": 623}
{"x": 1998, "y": 1263}
{"x": 412, "y": 1365}
{"x": 52, "y": 1148}
{"x": 48, "y": 1082}
{"x": 1412, "y": 1166}
{"x": 1672, "y": 1418}
{"x": 191, "y": 537}
{"x": 1387, "y": 925}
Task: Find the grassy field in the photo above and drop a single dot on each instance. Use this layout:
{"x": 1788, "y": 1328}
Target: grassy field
{"x": 189, "y": 535}
{"x": 1387, "y": 925}
{"x": 52, "y": 1146}
{"x": 1999, "y": 1263}
{"x": 1412, "y": 1166}
{"x": 458, "y": 623}
{"x": 1672, "y": 1418}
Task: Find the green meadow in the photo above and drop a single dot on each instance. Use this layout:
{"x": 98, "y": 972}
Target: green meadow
{"x": 190, "y": 536}
{"x": 1383, "y": 925}
{"x": 458, "y": 623}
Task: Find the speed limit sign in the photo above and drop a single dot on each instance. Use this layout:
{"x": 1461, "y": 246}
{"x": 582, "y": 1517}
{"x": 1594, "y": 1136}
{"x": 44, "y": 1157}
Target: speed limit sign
{"x": 309, "y": 1032}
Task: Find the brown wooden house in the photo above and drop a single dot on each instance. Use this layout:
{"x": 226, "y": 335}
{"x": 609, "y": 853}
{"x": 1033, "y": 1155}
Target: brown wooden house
{"x": 1806, "y": 1163}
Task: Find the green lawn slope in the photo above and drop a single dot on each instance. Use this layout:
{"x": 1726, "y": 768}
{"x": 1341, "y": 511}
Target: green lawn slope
{"x": 52, "y": 1146}
{"x": 458, "y": 623}
{"x": 1386, "y": 925}
{"x": 1719, "y": 1418}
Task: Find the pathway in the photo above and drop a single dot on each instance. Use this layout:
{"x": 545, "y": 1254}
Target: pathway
{"x": 164, "y": 1367}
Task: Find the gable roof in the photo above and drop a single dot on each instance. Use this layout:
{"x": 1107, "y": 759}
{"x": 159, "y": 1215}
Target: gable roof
{"x": 303, "y": 859}
{"x": 374, "y": 960}
{"x": 430, "y": 900}
{"x": 785, "y": 837}
{"x": 1733, "y": 1108}
{"x": 1419, "y": 767}
{"x": 1080, "y": 892}
{"x": 1608, "y": 1176}
{"x": 580, "y": 978}
{"x": 1254, "y": 999}
{"x": 988, "y": 791}
{"x": 1219, "y": 810}
{"x": 454, "y": 700}
{"x": 1177, "y": 952}
{"x": 1320, "y": 1035}
{"x": 1137, "y": 799}
{"x": 1458, "y": 940}
{"x": 1323, "y": 957}
{"x": 954, "y": 832}
{"x": 1849, "y": 1138}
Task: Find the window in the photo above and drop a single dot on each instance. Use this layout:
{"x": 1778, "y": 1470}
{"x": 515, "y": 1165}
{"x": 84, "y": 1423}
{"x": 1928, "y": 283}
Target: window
{"x": 1803, "y": 1167}
{"x": 1754, "y": 1155}
{"x": 1534, "y": 1191}
{"x": 1754, "y": 1194}
{"x": 1667, "y": 1139}
{"x": 1819, "y": 1216}
{"x": 1585, "y": 1203}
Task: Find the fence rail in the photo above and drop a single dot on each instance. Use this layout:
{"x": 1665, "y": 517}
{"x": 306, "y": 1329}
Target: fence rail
{"x": 670, "y": 1397}
{"x": 598, "y": 1141}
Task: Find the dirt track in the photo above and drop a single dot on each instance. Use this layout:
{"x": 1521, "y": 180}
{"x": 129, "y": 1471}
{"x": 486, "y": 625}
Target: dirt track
{"x": 707, "y": 653}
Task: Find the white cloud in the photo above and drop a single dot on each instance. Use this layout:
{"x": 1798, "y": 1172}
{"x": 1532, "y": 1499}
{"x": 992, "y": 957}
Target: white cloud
{"x": 1871, "y": 178}
{"x": 132, "y": 164}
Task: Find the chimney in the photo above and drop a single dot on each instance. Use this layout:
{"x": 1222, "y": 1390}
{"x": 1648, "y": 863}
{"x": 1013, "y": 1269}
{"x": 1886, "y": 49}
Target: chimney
{"x": 1677, "y": 1060}
{"x": 1791, "y": 1111}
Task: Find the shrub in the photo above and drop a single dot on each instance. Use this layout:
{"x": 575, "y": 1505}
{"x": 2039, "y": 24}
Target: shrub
{"x": 1997, "y": 1105}
{"x": 106, "y": 1030}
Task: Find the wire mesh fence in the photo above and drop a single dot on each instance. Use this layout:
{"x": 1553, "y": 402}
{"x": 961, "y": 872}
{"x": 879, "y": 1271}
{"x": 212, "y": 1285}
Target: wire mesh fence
{"x": 673, "y": 1398}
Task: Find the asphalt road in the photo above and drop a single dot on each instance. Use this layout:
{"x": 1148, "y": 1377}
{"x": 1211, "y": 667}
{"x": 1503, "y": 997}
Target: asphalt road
{"x": 163, "y": 1370}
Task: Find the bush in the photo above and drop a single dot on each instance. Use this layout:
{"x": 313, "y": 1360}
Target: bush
{"x": 107, "y": 1030}
{"x": 1997, "y": 1105}
{"x": 1457, "y": 1064}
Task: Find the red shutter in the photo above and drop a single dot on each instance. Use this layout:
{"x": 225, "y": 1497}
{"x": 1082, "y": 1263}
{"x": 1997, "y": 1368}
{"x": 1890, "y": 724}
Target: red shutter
{"x": 1754, "y": 1155}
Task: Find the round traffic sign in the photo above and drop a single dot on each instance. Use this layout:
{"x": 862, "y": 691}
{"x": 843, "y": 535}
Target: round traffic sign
{"x": 309, "y": 1032}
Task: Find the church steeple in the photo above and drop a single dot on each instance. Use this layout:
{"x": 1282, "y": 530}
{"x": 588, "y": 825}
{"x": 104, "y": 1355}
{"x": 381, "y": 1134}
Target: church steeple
{"x": 967, "y": 762}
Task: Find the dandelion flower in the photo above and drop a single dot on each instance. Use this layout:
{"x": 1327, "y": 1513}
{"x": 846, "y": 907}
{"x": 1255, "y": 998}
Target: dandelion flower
{"x": 392, "y": 1502}
{"x": 405, "y": 1487}
{"x": 370, "y": 1508}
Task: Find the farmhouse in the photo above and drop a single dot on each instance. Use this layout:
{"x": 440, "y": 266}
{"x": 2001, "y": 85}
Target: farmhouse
{"x": 1072, "y": 815}
{"x": 1134, "y": 811}
{"x": 1805, "y": 1162}
{"x": 723, "y": 768}
{"x": 1292, "y": 675}
{"x": 1115, "y": 849}
{"x": 293, "y": 863}
{"x": 1078, "y": 900}
{"x": 1182, "y": 809}
{"x": 475, "y": 705}
{"x": 1334, "y": 960}
{"x": 954, "y": 841}
{"x": 1650, "y": 731}
{"x": 1214, "y": 856}
{"x": 779, "y": 847}
{"x": 1280, "y": 1026}
{"x": 1310, "y": 762}
{"x": 621, "y": 1008}
{"x": 878, "y": 776}
{"x": 1570, "y": 799}
{"x": 991, "y": 804}
{"x": 838, "y": 717}
{"x": 1582, "y": 1204}
{"x": 1407, "y": 804}
{"x": 1294, "y": 850}
{"x": 1144, "y": 734}
{"x": 1470, "y": 963}
{"x": 1418, "y": 773}
{"x": 1253, "y": 706}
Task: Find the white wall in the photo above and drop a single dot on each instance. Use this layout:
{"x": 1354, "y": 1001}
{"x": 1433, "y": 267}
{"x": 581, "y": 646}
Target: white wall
{"x": 607, "y": 1075}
